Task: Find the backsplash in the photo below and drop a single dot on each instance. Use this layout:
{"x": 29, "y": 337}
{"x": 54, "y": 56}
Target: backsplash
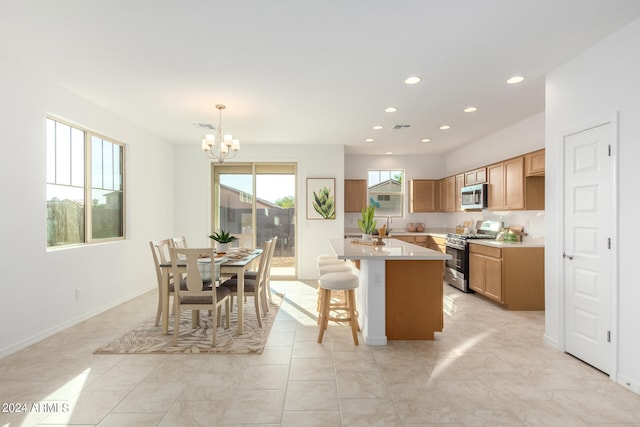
{"x": 532, "y": 221}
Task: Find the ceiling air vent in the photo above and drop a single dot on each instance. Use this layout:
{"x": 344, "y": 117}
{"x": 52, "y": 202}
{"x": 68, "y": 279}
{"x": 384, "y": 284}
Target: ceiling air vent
{"x": 400, "y": 127}
{"x": 204, "y": 126}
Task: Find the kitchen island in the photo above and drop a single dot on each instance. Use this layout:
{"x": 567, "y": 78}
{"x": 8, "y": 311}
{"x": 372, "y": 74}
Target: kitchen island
{"x": 400, "y": 292}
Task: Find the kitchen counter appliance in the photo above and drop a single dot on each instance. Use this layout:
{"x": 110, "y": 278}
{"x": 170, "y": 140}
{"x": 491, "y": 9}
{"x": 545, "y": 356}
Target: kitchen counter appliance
{"x": 474, "y": 197}
{"x": 456, "y": 272}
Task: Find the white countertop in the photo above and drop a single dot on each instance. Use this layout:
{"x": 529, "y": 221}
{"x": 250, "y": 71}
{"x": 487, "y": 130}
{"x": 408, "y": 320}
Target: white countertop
{"x": 355, "y": 232}
{"x": 503, "y": 244}
{"x": 393, "y": 249}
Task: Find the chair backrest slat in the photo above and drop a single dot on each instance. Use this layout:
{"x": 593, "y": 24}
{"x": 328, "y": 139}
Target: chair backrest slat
{"x": 192, "y": 276}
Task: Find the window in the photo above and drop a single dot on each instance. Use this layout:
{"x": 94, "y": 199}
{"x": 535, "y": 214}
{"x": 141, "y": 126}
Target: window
{"x": 83, "y": 169}
{"x": 386, "y": 192}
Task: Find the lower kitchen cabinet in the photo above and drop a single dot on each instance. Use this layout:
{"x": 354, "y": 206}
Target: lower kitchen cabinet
{"x": 437, "y": 244}
{"x": 513, "y": 276}
{"x": 420, "y": 240}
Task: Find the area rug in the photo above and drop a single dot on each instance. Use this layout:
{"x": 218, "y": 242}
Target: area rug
{"x": 149, "y": 339}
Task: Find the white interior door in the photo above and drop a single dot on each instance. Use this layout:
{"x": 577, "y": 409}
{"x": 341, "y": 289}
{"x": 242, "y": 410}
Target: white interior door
{"x": 588, "y": 227}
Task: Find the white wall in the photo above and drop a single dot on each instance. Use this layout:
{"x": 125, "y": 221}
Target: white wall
{"x": 595, "y": 86}
{"x": 39, "y": 286}
{"x": 523, "y": 137}
{"x": 193, "y": 193}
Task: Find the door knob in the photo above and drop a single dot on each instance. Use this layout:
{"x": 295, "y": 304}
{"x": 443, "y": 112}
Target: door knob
{"x": 566, "y": 255}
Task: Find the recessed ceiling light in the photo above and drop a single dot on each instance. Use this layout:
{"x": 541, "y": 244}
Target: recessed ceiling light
{"x": 412, "y": 80}
{"x": 390, "y": 109}
{"x": 425, "y": 140}
{"x": 389, "y": 152}
{"x": 470, "y": 109}
{"x": 368, "y": 140}
{"x": 445, "y": 127}
{"x": 377, "y": 127}
{"x": 515, "y": 79}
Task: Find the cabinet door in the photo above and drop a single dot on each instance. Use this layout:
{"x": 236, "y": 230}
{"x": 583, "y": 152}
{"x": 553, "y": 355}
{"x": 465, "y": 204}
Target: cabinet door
{"x": 514, "y": 183}
{"x": 493, "y": 278}
{"x": 481, "y": 175}
{"x": 470, "y": 178}
{"x": 496, "y": 186}
{"x": 458, "y": 193}
{"x": 447, "y": 194}
{"x": 422, "y": 195}
{"x": 355, "y": 195}
{"x": 534, "y": 163}
{"x": 476, "y": 272}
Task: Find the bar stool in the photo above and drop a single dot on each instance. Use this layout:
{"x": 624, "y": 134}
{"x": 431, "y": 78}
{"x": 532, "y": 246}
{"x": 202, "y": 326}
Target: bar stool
{"x": 328, "y": 261}
{"x": 343, "y": 267}
{"x": 332, "y": 268}
{"x": 341, "y": 281}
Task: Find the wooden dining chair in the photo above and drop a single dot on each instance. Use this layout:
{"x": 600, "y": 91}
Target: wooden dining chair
{"x": 266, "y": 289}
{"x": 252, "y": 287}
{"x": 161, "y": 255}
{"x": 179, "y": 242}
{"x": 196, "y": 295}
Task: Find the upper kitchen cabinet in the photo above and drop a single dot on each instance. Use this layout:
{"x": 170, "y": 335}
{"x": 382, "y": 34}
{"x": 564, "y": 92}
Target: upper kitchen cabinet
{"x": 534, "y": 163}
{"x": 448, "y": 194}
{"x": 355, "y": 195}
{"x": 509, "y": 190}
{"x": 506, "y": 185}
{"x": 422, "y": 195}
{"x": 451, "y": 193}
{"x": 460, "y": 182}
{"x": 477, "y": 176}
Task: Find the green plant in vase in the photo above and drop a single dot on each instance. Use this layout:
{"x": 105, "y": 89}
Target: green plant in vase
{"x": 223, "y": 238}
{"x": 367, "y": 224}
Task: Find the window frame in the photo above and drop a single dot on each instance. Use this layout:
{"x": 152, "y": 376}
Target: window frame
{"x": 401, "y": 193}
{"x": 88, "y": 187}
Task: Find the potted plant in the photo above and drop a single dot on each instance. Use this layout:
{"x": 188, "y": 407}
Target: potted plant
{"x": 367, "y": 224}
{"x": 223, "y": 238}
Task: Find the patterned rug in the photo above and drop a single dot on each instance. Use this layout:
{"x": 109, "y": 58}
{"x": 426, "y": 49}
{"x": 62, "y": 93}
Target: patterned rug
{"x": 148, "y": 338}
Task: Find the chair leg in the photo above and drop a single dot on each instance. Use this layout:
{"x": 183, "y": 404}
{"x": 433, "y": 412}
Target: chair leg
{"x": 228, "y": 308}
{"x": 324, "y": 310}
{"x": 159, "y": 312}
{"x": 176, "y": 326}
{"x": 256, "y": 302}
{"x": 214, "y": 328}
{"x": 353, "y": 319}
{"x": 263, "y": 299}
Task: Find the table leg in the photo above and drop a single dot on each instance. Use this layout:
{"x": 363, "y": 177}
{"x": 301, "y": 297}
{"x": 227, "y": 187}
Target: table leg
{"x": 165, "y": 300}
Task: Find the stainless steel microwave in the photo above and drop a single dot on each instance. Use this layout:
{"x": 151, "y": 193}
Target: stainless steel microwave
{"x": 475, "y": 197}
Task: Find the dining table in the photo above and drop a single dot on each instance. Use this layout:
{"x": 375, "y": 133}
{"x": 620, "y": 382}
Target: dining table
{"x": 225, "y": 263}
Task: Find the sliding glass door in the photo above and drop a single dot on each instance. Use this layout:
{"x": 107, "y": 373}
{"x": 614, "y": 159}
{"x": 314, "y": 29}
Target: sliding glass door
{"x": 254, "y": 220}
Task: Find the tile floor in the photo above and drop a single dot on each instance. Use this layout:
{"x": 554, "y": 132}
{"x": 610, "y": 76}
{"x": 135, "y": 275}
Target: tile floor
{"x": 489, "y": 368}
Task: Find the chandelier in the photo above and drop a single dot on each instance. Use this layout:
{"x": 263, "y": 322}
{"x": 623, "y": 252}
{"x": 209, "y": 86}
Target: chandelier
{"x": 226, "y": 147}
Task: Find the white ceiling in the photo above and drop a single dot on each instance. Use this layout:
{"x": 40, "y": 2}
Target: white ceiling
{"x": 310, "y": 72}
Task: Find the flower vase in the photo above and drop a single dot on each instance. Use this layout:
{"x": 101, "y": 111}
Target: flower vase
{"x": 366, "y": 237}
{"x": 222, "y": 248}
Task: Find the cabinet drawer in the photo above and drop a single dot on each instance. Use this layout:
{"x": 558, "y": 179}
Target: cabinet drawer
{"x": 421, "y": 239}
{"x": 485, "y": 250}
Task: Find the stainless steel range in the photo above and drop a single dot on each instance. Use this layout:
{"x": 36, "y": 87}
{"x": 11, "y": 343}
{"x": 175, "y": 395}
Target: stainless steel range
{"x": 457, "y": 268}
